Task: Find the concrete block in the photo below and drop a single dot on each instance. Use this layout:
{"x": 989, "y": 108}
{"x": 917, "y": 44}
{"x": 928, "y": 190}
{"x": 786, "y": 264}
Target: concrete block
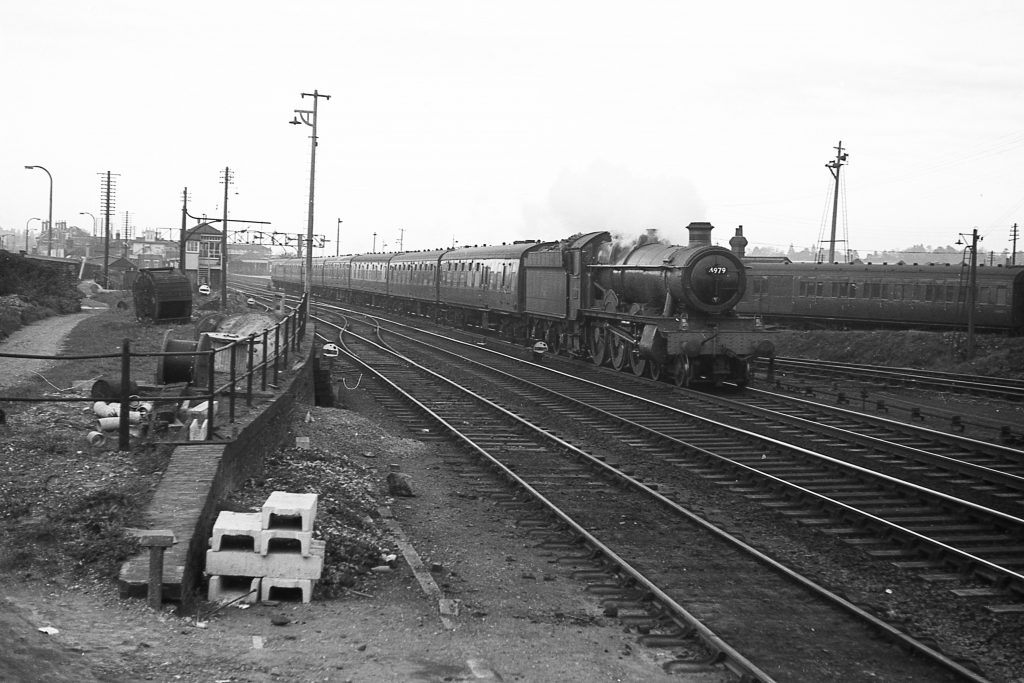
{"x": 228, "y": 588}
{"x": 289, "y": 511}
{"x": 235, "y": 525}
{"x": 268, "y": 584}
{"x": 276, "y": 564}
{"x": 305, "y": 539}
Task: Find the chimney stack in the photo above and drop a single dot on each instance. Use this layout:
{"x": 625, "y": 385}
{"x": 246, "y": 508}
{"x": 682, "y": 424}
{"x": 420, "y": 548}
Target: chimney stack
{"x": 700, "y": 234}
{"x": 738, "y": 243}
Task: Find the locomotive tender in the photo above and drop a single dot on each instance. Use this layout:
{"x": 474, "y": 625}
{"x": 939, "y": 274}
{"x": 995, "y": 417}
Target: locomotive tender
{"x": 658, "y": 310}
{"x": 928, "y": 296}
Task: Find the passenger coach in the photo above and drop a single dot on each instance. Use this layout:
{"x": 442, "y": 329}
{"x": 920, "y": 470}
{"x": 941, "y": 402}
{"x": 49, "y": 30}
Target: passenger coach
{"x": 899, "y": 296}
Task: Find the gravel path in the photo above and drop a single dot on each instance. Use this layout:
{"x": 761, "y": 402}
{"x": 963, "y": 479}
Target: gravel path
{"x": 42, "y": 338}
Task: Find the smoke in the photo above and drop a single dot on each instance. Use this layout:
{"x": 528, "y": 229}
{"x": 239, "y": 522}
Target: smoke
{"x": 610, "y": 197}
{"x": 622, "y": 245}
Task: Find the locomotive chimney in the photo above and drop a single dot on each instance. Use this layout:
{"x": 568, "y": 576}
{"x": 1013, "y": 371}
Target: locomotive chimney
{"x": 738, "y": 243}
{"x": 700, "y": 234}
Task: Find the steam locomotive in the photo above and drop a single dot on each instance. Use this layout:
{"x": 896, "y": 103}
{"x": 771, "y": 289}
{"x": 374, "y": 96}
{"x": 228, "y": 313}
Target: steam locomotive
{"x": 663, "y": 311}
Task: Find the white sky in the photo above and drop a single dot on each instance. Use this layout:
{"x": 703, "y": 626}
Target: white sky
{"x": 484, "y": 122}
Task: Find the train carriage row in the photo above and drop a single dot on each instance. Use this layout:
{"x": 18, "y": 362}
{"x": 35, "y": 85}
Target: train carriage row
{"x": 926, "y": 296}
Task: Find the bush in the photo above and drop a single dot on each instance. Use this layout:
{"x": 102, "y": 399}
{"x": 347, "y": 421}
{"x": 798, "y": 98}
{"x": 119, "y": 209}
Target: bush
{"x": 32, "y": 290}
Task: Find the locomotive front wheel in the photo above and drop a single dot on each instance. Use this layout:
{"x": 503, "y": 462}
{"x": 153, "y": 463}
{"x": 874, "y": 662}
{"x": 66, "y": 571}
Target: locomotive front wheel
{"x": 598, "y": 345}
{"x": 637, "y": 364}
{"x": 681, "y": 371}
{"x": 618, "y": 353}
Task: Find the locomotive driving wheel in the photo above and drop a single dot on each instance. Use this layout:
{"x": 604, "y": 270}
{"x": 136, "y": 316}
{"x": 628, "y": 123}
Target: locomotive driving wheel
{"x": 618, "y": 353}
{"x": 681, "y": 371}
{"x": 654, "y": 369}
{"x": 598, "y": 345}
{"x": 637, "y": 363}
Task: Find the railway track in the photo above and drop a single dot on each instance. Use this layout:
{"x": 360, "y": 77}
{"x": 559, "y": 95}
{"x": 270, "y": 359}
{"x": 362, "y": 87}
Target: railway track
{"x": 1003, "y": 388}
{"x": 562, "y": 475}
{"x": 968, "y": 536}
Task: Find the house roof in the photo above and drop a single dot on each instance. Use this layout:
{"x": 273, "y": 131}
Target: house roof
{"x": 201, "y": 229}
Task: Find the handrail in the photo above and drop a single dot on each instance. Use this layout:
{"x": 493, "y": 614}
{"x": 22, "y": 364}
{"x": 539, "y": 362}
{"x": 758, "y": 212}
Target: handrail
{"x": 294, "y": 330}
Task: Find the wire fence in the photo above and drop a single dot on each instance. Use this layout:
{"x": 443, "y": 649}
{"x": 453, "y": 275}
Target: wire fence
{"x": 216, "y": 365}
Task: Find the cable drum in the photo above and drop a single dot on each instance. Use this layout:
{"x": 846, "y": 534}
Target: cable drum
{"x": 172, "y": 369}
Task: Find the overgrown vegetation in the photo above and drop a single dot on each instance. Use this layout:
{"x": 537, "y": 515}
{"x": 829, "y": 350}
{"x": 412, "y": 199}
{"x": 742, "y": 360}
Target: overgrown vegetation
{"x": 64, "y": 503}
{"x": 31, "y": 290}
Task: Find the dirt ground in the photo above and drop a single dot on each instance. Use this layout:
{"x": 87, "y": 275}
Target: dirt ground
{"x": 468, "y": 600}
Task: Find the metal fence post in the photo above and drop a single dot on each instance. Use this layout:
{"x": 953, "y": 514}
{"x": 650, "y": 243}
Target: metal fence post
{"x": 277, "y": 349}
{"x": 126, "y": 383}
{"x": 287, "y": 339}
{"x": 248, "y": 371}
{"x": 210, "y": 389}
{"x": 232, "y": 347}
{"x": 263, "y": 365}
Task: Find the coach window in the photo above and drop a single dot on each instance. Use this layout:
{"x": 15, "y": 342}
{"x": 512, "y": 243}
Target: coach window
{"x": 1001, "y": 296}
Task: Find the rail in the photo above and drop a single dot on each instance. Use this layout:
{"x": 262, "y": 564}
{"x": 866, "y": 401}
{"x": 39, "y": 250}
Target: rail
{"x": 287, "y": 337}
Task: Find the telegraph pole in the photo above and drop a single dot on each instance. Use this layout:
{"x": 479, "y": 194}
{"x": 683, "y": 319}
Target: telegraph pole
{"x": 224, "y": 244}
{"x": 971, "y": 289}
{"x": 1014, "y": 232}
{"x": 833, "y": 167}
{"x": 181, "y": 241}
{"x": 309, "y": 118}
{"x": 108, "y": 187}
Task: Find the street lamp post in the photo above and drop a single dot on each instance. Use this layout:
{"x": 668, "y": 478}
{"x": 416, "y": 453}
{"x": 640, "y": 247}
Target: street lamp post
{"x": 26, "y": 231}
{"x": 86, "y": 213}
{"x": 49, "y": 238}
{"x": 309, "y": 118}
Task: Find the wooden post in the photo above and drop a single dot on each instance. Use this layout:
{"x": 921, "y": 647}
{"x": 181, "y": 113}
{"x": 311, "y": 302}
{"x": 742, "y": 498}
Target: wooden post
{"x": 157, "y": 540}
